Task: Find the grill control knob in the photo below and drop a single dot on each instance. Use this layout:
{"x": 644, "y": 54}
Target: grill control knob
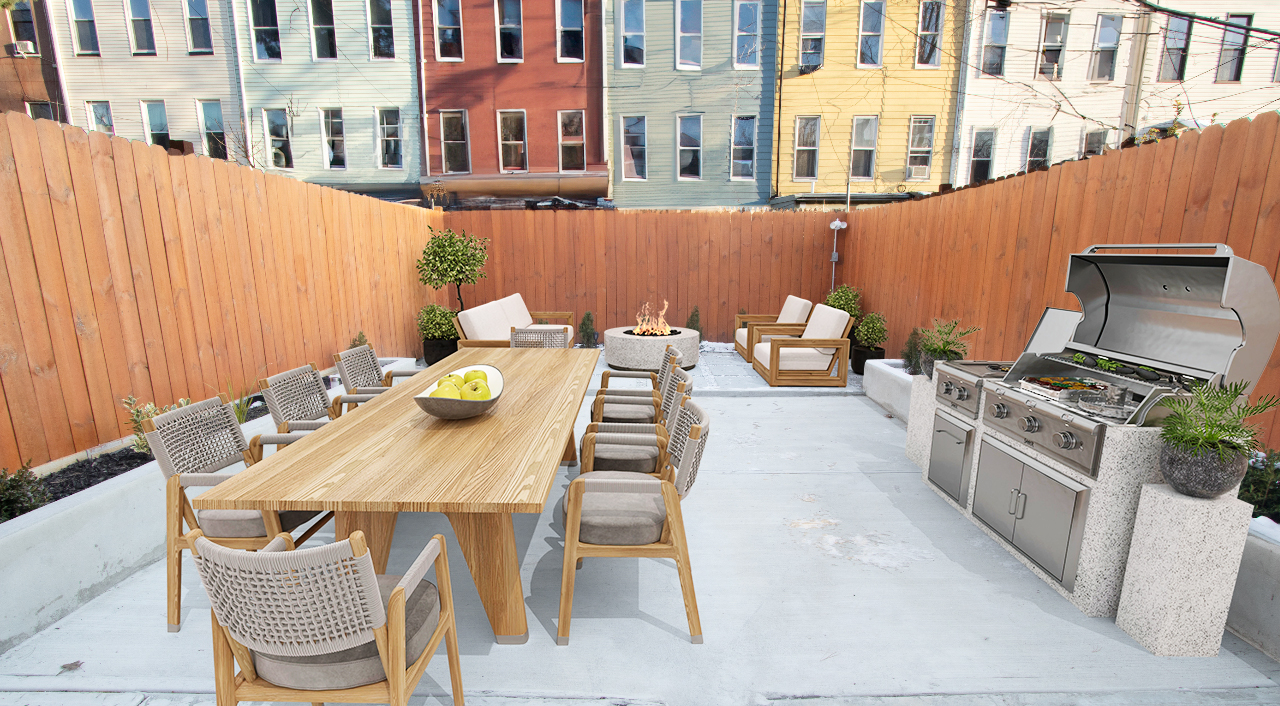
{"x": 947, "y": 387}
{"x": 1066, "y": 440}
{"x": 962, "y": 393}
{"x": 1029, "y": 424}
{"x": 999, "y": 410}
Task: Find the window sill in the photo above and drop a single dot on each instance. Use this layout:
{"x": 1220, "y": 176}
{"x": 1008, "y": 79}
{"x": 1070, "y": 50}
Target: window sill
{"x": 746, "y": 68}
{"x": 391, "y": 169}
{"x": 324, "y": 60}
{"x": 635, "y": 179}
{"x": 1228, "y": 83}
{"x": 513, "y": 171}
{"x": 511, "y": 61}
{"x": 144, "y": 53}
{"x": 563, "y": 60}
{"x": 871, "y": 66}
{"x": 450, "y": 59}
{"x": 201, "y": 52}
{"x": 88, "y": 53}
{"x": 382, "y": 58}
{"x": 804, "y": 180}
{"x": 927, "y": 67}
{"x": 688, "y": 68}
{"x": 455, "y": 173}
{"x": 630, "y": 66}
{"x": 742, "y": 179}
{"x": 268, "y": 61}
{"x": 685, "y": 178}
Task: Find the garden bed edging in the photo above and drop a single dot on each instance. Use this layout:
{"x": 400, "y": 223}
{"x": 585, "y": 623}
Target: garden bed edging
{"x": 887, "y": 383}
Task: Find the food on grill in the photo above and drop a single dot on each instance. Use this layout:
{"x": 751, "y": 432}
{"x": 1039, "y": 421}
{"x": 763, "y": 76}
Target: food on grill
{"x": 1057, "y": 383}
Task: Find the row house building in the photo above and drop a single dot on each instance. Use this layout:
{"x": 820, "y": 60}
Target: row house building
{"x": 29, "y": 79}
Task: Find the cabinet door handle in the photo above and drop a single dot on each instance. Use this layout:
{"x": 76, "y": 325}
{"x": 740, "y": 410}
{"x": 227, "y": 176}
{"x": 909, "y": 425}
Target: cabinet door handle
{"x": 1013, "y": 500}
{"x": 1021, "y": 506}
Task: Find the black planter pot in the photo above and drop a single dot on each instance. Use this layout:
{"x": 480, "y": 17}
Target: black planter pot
{"x": 859, "y": 355}
{"x": 435, "y": 350}
{"x": 1201, "y": 475}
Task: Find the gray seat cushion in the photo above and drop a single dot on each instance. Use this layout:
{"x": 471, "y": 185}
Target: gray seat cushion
{"x": 616, "y": 412}
{"x": 626, "y": 457}
{"x": 360, "y": 665}
{"x": 624, "y": 519}
{"x": 247, "y": 523}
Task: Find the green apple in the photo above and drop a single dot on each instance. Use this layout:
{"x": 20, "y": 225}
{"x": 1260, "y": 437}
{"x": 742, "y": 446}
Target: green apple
{"x": 477, "y": 375}
{"x": 475, "y": 390}
{"x": 449, "y": 391}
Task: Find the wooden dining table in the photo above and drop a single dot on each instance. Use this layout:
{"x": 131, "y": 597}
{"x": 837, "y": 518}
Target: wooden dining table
{"x": 388, "y": 456}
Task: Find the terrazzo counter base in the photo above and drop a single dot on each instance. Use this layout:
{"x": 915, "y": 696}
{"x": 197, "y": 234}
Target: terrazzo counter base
{"x": 623, "y": 351}
{"x": 920, "y": 422}
{"x": 1182, "y": 569}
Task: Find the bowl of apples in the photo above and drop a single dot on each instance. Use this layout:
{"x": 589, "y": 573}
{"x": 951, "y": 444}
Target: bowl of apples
{"x": 463, "y": 393}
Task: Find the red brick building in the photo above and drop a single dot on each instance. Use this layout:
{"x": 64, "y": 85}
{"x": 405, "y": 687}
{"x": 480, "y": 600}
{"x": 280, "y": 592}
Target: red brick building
{"x": 28, "y": 72}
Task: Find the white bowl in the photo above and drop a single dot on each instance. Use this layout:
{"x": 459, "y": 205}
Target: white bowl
{"x": 449, "y": 408}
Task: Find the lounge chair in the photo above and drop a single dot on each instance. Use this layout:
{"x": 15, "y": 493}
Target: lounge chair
{"x": 818, "y": 358}
{"x": 794, "y": 311}
{"x": 489, "y": 325}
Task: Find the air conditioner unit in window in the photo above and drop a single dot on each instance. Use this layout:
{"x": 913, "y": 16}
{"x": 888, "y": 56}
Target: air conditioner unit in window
{"x": 919, "y": 172}
{"x": 806, "y": 69}
{"x": 21, "y": 48}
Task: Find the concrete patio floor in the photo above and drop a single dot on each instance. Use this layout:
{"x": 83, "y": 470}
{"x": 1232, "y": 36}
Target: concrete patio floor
{"x": 827, "y": 574}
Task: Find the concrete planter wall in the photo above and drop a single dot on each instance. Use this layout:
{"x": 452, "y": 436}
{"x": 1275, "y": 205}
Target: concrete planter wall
{"x": 887, "y": 383}
{"x": 1255, "y": 612}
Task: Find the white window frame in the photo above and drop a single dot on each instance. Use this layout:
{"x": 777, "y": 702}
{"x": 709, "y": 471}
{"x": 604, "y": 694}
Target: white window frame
{"x": 75, "y": 36}
{"x": 701, "y": 143}
{"x": 813, "y": 35}
{"x": 921, "y": 34}
{"x": 915, "y": 151}
{"x": 1244, "y": 45}
{"x": 560, "y": 141}
{"x": 324, "y": 138}
{"x": 973, "y": 145}
{"x": 853, "y": 147}
{"x": 13, "y": 32}
{"x": 435, "y": 27}
{"x": 497, "y": 33}
{"x": 1186, "y": 51}
{"x": 755, "y": 142}
{"x": 737, "y": 9}
{"x": 146, "y": 120}
{"x": 1098, "y": 49}
{"x": 204, "y": 133}
{"x": 253, "y": 39}
{"x": 702, "y": 16}
{"x": 621, "y": 12}
{"x": 270, "y": 163}
{"x": 27, "y": 106}
{"x": 1275, "y": 71}
{"x": 502, "y": 168}
{"x": 378, "y": 138}
{"x": 311, "y": 33}
{"x": 560, "y": 58}
{"x": 88, "y": 110}
{"x": 466, "y": 131}
{"x": 795, "y": 148}
{"x": 986, "y": 43}
{"x": 622, "y": 145}
{"x": 1048, "y": 149}
{"x": 1045, "y": 19}
{"x": 186, "y": 27}
{"x": 368, "y": 33}
{"x": 1084, "y": 141}
{"x": 133, "y": 41}
{"x": 884, "y": 17}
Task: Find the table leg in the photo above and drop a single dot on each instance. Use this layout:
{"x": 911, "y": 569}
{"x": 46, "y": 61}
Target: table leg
{"x": 378, "y": 527}
{"x": 570, "y": 457}
{"x": 488, "y": 541}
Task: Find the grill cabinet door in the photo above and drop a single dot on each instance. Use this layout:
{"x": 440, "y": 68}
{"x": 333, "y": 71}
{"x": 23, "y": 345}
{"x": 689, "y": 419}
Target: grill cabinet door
{"x": 946, "y": 458}
{"x": 999, "y": 476}
{"x": 1044, "y": 528}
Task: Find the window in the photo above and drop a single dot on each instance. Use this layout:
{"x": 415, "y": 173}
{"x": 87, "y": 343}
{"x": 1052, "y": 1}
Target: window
{"x": 813, "y": 33}
{"x": 157, "y": 123}
{"x": 510, "y": 30}
{"x": 144, "y": 42}
{"x": 200, "y": 35}
{"x": 1094, "y": 142}
{"x": 335, "y": 138}
{"x": 512, "y": 141}
{"x": 920, "y": 149}
{"x": 381, "y": 34}
{"x": 100, "y": 117}
{"x": 633, "y": 148}
{"x": 996, "y": 38}
{"x": 633, "y": 32}
{"x": 871, "y": 33}
{"x": 266, "y": 31}
{"x": 86, "y": 30}
{"x": 806, "y": 146}
{"x": 391, "y": 156}
{"x": 453, "y": 137}
{"x": 928, "y": 42}
{"x": 1275, "y": 73}
{"x": 277, "y": 126}
{"x": 743, "y": 157}
{"x": 862, "y": 162}
{"x": 984, "y": 146}
{"x": 689, "y": 34}
{"x": 448, "y": 19}
{"x": 1231, "y": 61}
{"x": 215, "y": 138}
{"x": 1173, "y": 62}
{"x": 690, "y": 146}
{"x": 572, "y": 32}
{"x": 322, "y": 29}
{"x": 746, "y": 34}
{"x": 24, "y": 25}
{"x": 1055, "y": 36}
{"x": 573, "y": 142}
{"x": 1106, "y": 43}
{"x": 1038, "y": 149}
{"x": 41, "y": 110}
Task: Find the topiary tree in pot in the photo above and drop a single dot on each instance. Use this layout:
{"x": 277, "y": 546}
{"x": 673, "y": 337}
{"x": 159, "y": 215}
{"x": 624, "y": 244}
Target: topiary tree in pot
{"x": 869, "y": 333}
{"x": 435, "y": 325}
{"x": 453, "y": 258}
{"x": 943, "y": 342}
{"x": 1207, "y": 441}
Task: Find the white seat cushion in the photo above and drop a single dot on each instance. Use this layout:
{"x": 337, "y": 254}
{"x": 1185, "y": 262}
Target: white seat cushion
{"x": 794, "y": 358}
{"x": 826, "y": 322}
{"x": 516, "y": 312}
{"x": 795, "y": 310}
{"x": 487, "y": 322}
{"x": 741, "y": 337}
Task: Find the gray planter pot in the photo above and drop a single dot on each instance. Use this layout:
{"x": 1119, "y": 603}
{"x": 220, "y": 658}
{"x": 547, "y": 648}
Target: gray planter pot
{"x": 1201, "y": 475}
{"x": 927, "y": 360}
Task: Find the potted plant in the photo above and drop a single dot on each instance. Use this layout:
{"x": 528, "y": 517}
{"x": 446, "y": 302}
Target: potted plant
{"x": 911, "y": 353}
{"x": 870, "y": 333}
{"x": 452, "y": 258}
{"x": 943, "y": 342}
{"x": 587, "y": 331}
{"x": 439, "y": 337}
{"x": 849, "y": 300}
{"x": 1207, "y": 441}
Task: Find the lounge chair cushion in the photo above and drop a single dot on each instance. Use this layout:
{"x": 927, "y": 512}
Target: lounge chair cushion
{"x": 247, "y": 523}
{"x": 623, "y": 519}
{"x": 826, "y": 322}
{"x": 516, "y": 312}
{"x": 487, "y": 322}
{"x": 642, "y": 412}
{"x": 795, "y": 358}
{"x": 359, "y": 665}
{"x": 741, "y": 337}
{"x": 795, "y": 310}
{"x": 627, "y": 457}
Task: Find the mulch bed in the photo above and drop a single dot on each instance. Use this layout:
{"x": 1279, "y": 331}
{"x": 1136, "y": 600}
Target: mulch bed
{"x": 92, "y": 471}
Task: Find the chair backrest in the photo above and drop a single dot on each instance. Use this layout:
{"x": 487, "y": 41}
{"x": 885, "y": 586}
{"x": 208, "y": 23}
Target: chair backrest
{"x": 688, "y": 439}
{"x": 671, "y": 359}
{"x": 359, "y": 368}
{"x": 795, "y": 310}
{"x": 826, "y": 322}
{"x": 679, "y": 386}
{"x": 202, "y": 437}
{"x": 516, "y": 312}
{"x": 296, "y": 604}
{"x": 487, "y": 322}
{"x": 296, "y": 395}
{"x": 540, "y": 337}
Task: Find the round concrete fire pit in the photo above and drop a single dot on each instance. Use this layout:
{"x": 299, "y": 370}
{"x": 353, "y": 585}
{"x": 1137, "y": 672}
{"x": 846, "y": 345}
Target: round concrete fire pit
{"x": 625, "y": 351}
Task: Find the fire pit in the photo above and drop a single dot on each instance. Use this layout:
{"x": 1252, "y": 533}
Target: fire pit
{"x": 640, "y": 347}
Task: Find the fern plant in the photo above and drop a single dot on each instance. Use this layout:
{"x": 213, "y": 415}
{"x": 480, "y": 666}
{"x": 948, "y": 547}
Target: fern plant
{"x": 945, "y": 341}
{"x": 1214, "y": 420}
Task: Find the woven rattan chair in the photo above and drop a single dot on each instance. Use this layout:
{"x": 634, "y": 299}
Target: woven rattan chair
{"x": 794, "y": 311}
{"x": 317, "y": 625}
{"x": 670, "y": 355}
{"x": 819, "y": 357}
{"x": 298, "y": 402}
{"x": 615, "y": 513}
{"x": 362, "y": 376}
{"x": 541, "y": 337}
{"x": 634, "y": 448}
{"x": 642, "y": 406}
{"x": 191, "y": 444}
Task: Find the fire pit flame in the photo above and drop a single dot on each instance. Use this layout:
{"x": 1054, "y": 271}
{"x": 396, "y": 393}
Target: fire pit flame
{"x": 648, "y": 325}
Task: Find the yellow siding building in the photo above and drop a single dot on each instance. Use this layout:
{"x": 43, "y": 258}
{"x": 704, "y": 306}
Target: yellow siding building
{"x": 867, "y": 95}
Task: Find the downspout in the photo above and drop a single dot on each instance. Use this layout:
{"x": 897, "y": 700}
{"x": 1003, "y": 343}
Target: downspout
{"x": 1137, "y": 70}
{"x": 777, "y": 113}
{"x": 606, "y": 129}
{"x": 244, "y": 101}
{"x": 958, "y": 132}
{"x": 420, "y": 71}
{"x": 64, "y": 101}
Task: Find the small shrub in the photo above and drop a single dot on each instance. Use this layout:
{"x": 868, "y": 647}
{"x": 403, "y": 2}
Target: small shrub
{"x": 140, "y": 411}
{"x": 358, "y": 341}
{"x": 20, "y": 492}
{"x": 1261, "y": 485}
{"x": 1213, "y": 420}
{"x": 871, "y": 331}
{"x": 587, "y": 330}
{"x": 694, "y": 321}
{"x": 240, "y": 405}
{"x": 911, "y": 354}
{"x": 435, "y": 323}
{"x": 943, "y": 341}
{"x": 847, "y": 299}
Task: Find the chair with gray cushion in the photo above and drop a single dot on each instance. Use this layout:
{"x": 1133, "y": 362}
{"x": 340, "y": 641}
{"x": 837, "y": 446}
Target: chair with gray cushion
{"x": 298, "y": 402}
{"x": 616, "y": 513}
{"x": 362, "y": 376}
{"x": 643, "y": 406}
{"x": 600, "y": 453}
{"x": 317, "y": 625}
{"x": 191, "y": 445}
{"x": 794, "y": 311}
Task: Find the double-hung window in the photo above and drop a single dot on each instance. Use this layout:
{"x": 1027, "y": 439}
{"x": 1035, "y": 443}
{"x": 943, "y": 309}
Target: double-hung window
{"x": 1052, "y": 42}
{"x": 689, "y": 34}
{"x": 995, "y": 42}
{"x": 100, "y": 117}
{"x": 632, "y": 33}
{"x": 323, "y": 29}
{"x": 871, "y": 34}
{"x": 920, "y": 148}
{"x": 390, "y": 154}
{"x": 199, "y": 33}
{"x": 157, "y": 122}
{"x": 980, "y": 160}
{"x": 266, "y": 30}
{"x": 571, "y": 34}
{"x": 276, "y": 123}
{"x": 806, "y": 147}
{"x": 1039, "y": 148}
{"x": 86, "y": 28}
{"x": 689, "y": 129}
{"x": 573, "y": 140}
{"x": 813, "y": 34}
{"x": 144, "y": 40}
{"x": 862, "y": 158}
{"x": 448, "y": 19}
{"x": 1106, "y": 45}
{"x": 24, "y": 25}
{"x": 41, "y": 110}
{"x": 929, "y": 37}
{"x": 510, "y": 30}
{"x": 634, "y": 143}
{"x": 382, "y": 34}
{"x": 455, "y": 151}
{"x": 743, "y": 157}
{"x": 215, "y": 136}
{"x": 746, "y": 33}
{"x": 1173, "y": 61}
{"x": 512, "y": 141}
{"x": 335, "y": 138}
{"x": 1095, "y": 142}
{"x": 1234, "y": 41}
